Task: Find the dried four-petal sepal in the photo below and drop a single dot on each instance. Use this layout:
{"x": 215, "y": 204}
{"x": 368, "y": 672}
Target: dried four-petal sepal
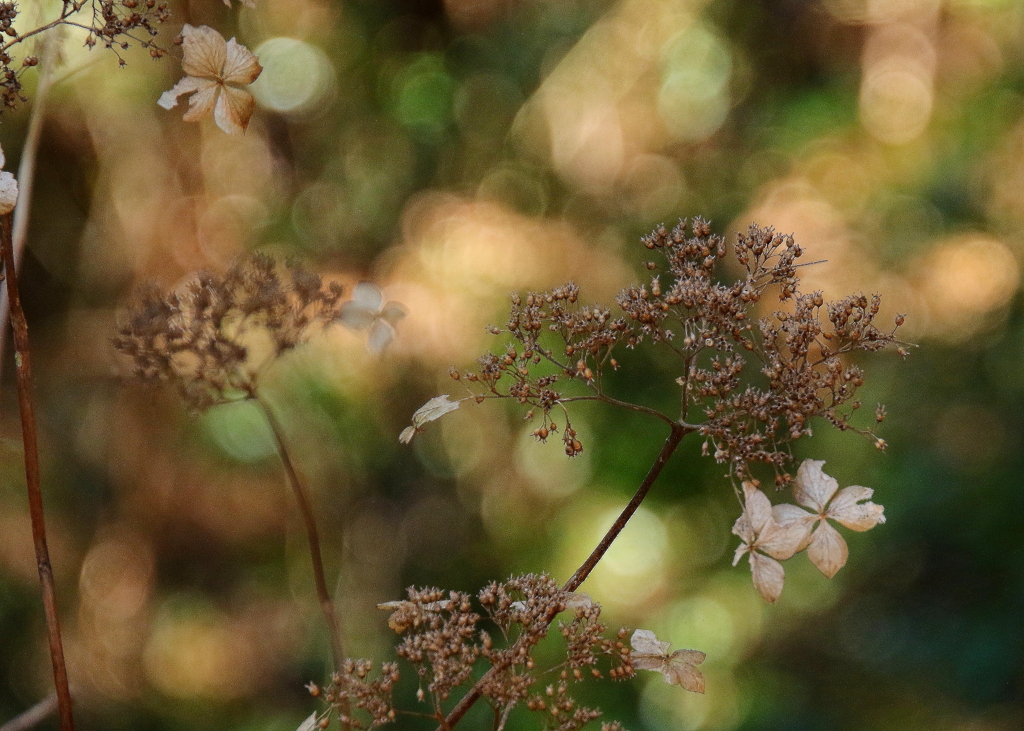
{"x": 217, "y": 74}
{"x": 820, "y": 493}
{"x": 201, "y": 337}
{"x": 678, "y": 668}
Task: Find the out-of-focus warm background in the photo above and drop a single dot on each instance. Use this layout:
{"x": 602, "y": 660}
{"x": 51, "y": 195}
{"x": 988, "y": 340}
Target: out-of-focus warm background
{"x": 452, "y": 152}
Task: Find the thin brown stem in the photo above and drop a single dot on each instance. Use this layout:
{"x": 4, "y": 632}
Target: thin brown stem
{"x": 309, "y": 519}
{"x": 32, "y": 479}
{"x": 675, "y": 436}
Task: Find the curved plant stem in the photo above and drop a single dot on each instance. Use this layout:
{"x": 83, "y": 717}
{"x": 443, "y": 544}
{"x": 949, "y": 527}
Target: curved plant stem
{"x": 35, "y": 495}
{"x": 309, "y": 519}
{"x": 675, "y": 436}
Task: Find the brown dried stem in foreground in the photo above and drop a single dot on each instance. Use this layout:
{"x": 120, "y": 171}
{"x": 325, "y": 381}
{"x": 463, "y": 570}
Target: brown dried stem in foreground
{"x": 35, "y": 496}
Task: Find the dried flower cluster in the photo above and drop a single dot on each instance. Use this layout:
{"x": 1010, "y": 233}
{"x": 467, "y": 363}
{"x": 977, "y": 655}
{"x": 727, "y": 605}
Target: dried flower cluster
{"x": 114, "y": 24}
{"x": 750, "y": 384}
{"x": 751, "y": 380}
{"x": 442, "y": 640}
{"x": 212, "y": 338}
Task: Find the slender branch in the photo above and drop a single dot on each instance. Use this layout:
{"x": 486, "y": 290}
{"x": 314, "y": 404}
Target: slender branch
{"x": 35, "y": 494}
{"x": 671, "y": 443}
{"x": 309, "y": 519}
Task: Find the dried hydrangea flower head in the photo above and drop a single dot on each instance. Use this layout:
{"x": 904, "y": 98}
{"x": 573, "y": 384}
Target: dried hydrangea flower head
{"x": 442, "y": 640}
{"x": 206, "y": 339}
{"x": 749, "y": 384}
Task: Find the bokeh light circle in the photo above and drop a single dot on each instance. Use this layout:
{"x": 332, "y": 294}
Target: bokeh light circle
{"x": 297, "y": 76}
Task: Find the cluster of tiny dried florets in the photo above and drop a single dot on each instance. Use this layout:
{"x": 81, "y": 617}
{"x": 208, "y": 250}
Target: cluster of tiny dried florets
{"x": 116, "y": 24}
{"x": 442, "y": 640}
{"x": 203, "y": 338}
{"x": 372, "y": 696}
{"x": 747, "y": 415}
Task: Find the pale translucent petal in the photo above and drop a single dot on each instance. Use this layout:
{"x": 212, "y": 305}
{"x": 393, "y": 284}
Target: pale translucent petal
{"x": 309, "y": 724}
{"x": 740, "y": 550}
{"x": 381, "y": 335}
{"x": 645, "y": 642}
{"x": 356, "y": 316}
{"x": 3, "y": 160}
{"x": 204, "y": 50}
{"x": 407, "y": 434}
{"x": 812, "y": 487}
{"x": 758, "y": 507}
{"x": 169, "y": 99}
{"x": 234, "y": 108}
{"x": 435, "y": 408}
{"x": 828, "y": 550}
{"x": 8, "y": 193}
{"x": 768, "y": 575}
{"x": 240, "y": 65}
{"x": 743, "y": 529}
{"x": 578, "y": 600}
{"x": 847, "y": 509}
{"x": 785, "y": 514}
{"x": 368, "y": 296}
{"x": 392, "y": 312}
{"x": 201, "y": 104}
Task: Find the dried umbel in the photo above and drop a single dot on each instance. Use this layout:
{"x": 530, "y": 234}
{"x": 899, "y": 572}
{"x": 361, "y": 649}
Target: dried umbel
{"x": 211, "y": 338}
{"x": 750, "y": 382}
{"x": 442, "y": 640}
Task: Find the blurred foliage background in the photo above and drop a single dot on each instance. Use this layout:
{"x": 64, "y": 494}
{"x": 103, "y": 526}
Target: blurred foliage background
{"x": 452, "y": 152}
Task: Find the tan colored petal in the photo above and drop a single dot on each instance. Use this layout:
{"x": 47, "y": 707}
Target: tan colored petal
{"x": 782, "y": 541}
{"x": 202, "y": 104}
{"x": 234, "y": 108}
{"x": 847, "y": 509}
{"x": 768, "y": 575}
{"x": 681, "y": 670}
{"x": 786, "y": 515}
{"x": 240, "y": 65}
{"x": 812, "y": 487}
{"x": 8, "y": 193}
{"x": 828, "y": 551}
{"x": 204, "y": 50}
{"x": 188, "y": 85}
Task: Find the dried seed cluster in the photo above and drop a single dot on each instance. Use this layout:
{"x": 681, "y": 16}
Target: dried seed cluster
{"x": 442, "y": 640}
{"x": 750, "y": 383}
{"x": 115, "y": 24}
{"x": 371, "y": 696}
{"x": 205, "y": 338}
